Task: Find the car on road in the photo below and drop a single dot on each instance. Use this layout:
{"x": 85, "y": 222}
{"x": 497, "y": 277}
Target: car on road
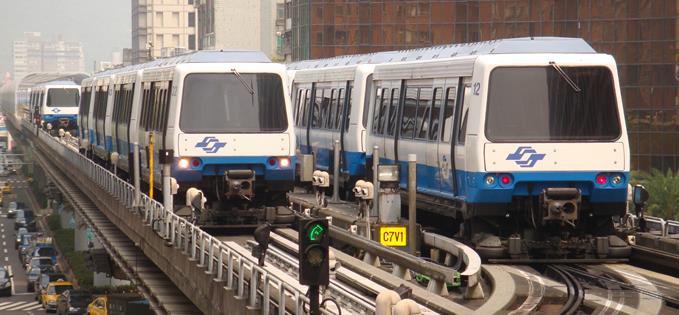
{"x": 45, "y": 250}
{"x": 7, "y": 188}
{"x": 20, "y": 233}
{"x": 39, "y": 262}
{"x": 20, "y": 219}
{"x": 5, "y": 282}
{"x": 24, "y": 242}
{"x": 73, "y": 302}
{"x": 45, "y": 279}
{"x": 11, "y": 209}
{"x": 32, "y": 276}
{"x": 98, "y": 306}
{"x": 52, "y": 293}
{"x": 28, "y": 221}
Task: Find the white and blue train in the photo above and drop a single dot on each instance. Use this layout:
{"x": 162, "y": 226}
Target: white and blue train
{"x": 55, "y": 104}
{"x": 521, "y": 142}
{"x": 222, "y": 120}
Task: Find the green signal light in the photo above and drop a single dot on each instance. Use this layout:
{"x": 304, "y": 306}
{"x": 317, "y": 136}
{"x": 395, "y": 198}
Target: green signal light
{"x": 316, "y": 232}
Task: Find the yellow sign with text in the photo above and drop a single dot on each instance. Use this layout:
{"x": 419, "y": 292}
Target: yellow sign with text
{"x": 393, "y": 236}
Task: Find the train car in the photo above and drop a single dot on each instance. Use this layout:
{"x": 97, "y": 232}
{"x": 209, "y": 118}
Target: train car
{"x": 522, "y": 142}
{"x": 221, "y": 120}
{"x": 55, "y": 104}
{"x": 323, "y": 94}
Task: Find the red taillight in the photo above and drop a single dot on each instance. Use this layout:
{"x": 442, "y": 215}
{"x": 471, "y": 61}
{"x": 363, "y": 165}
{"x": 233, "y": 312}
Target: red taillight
{"x": 505, "y": 180}
{"x": 601, "y": 179}
{"x": 272, "y": 161}
{"x": 195, "y": 162}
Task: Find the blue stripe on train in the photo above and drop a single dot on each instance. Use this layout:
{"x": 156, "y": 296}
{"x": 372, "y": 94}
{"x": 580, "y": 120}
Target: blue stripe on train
{"x": 354, "y": 161}
{"x": 472, "y": 187}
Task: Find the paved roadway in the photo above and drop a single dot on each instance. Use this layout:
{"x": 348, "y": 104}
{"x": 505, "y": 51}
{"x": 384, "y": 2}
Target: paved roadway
{"x": 21, "y": 302}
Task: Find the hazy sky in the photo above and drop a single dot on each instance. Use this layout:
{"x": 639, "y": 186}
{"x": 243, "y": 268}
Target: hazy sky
{"x": 103, "y": 26}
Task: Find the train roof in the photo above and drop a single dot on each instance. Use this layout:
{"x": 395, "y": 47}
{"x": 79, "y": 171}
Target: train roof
{"x": 57, "y": 82}
{"x": 521, "y": 45}
{"x": 202, "y": 56}
{"x": 42, "y": 77}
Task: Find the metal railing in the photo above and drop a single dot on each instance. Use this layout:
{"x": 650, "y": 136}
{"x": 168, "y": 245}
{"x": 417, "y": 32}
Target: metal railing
{"x": 227, "y": 261}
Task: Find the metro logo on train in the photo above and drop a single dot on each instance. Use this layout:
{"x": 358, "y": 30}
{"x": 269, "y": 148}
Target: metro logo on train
{"x": 210, "y": 145}
{"x": 533, "y": 157}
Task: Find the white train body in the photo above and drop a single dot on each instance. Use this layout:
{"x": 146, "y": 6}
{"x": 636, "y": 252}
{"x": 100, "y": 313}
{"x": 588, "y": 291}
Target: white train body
{"x": 55, "y": 103}
{"x": 209, "y": 113}
{"x": 498, "y": 127}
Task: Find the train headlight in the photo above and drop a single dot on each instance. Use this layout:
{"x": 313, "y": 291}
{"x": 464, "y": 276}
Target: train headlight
{"x": 490, "y": 180}
{"x": 183, "y": 163}
{"x": 616, "y": 180}
{"x": 284, "y": 162}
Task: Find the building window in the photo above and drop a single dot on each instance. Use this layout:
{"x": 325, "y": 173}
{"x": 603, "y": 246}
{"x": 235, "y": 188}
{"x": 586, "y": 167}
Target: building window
{"x": 192, "y": 19}
{"x": 192, "y": 42}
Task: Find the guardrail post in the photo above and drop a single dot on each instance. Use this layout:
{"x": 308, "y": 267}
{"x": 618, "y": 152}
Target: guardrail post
{"x": 254, "y": 283}
{"x": 210, "y": 257}
{"x": 335, "y": 171}
{"x": 376, "y": 181}
{"x": 202, "y": 250}
{"x": 281, "y": 298}
{"x": 265, "y": 293}
{"x": 137, "y": 182}
{"x": 241, "y": 278}
{"x": 229, "y": 271}
{"x": 412, "y": 204}
{"x": 220, "y": 265}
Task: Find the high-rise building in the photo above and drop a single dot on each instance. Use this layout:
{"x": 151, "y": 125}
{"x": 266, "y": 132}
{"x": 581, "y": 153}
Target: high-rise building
{"x": 241, "y": 24}
{"x": 640, "y": 34}
{"x": 35, "y": 54}
{"x": 162, "y": 28}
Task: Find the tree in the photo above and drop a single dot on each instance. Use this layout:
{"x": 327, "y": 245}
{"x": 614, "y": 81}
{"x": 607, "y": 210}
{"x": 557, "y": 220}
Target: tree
{"x": 663, "y": 189}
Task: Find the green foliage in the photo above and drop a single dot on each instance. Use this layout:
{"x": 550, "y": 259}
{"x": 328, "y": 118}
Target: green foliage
{"x": 118, "y": 289}
{"x": 663, "y": 189}
{"x": 64, "y": 239}
{"x": 54, "y": 222}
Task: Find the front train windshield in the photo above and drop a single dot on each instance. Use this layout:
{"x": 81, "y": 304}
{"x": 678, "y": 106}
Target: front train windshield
{"x": 226, "y": 103}
{"x": 57, "y": 97}
{"x": 539, "y": 104}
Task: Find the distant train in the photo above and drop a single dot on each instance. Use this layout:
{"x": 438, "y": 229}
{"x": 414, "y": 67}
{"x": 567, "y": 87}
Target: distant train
{"x": 222, "y": 120}
{"x": 55, "y": 104}
{"x": 521, "y": 143}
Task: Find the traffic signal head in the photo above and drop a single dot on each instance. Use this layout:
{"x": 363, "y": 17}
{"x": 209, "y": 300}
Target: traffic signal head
{"x": 313, "y": 252}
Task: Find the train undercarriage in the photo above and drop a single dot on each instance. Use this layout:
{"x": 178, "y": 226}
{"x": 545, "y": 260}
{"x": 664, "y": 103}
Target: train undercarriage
{"x": 558, "y": 224}
{"x": 237, "y": 199}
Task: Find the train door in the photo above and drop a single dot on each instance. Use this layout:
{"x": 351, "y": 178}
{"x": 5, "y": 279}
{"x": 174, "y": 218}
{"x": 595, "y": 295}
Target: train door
{"x": 392, "y": 119}
{"x": 414, "y": 134}
{"x": 460, "y": 132}
{"x": 320, "y": 139}
{"x": 446, "y": 162}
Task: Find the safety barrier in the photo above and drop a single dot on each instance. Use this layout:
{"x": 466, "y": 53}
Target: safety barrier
{"x": 225, "y": 260}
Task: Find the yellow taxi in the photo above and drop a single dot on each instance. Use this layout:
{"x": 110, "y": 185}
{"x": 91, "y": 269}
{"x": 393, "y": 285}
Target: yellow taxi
{"x": 52, "y": 293}
{"x": 7, "y": 188}
{"x": 98, "y": 306}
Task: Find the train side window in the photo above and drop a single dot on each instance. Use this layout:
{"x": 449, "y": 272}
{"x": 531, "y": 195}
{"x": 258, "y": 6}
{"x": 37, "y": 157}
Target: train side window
{"x": 408, "y": 123}
{"x": 338, "y": 109}
{"x": 347, "y": 118}
{"x": 393, "y": 111}
{"x": 325, "y": 109}
{"x": 380, "y": 110}
{"x": 316, "y": 108}
{"x": 434, "y": 129}
{"x": 424, "y": 101}
{"x": 332, "y": 108}
{"x": 462, "y": 132}
{"x": 298, "y": 103}
{"x": 448, "y": 111}
{"x": 307, "y": 109}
